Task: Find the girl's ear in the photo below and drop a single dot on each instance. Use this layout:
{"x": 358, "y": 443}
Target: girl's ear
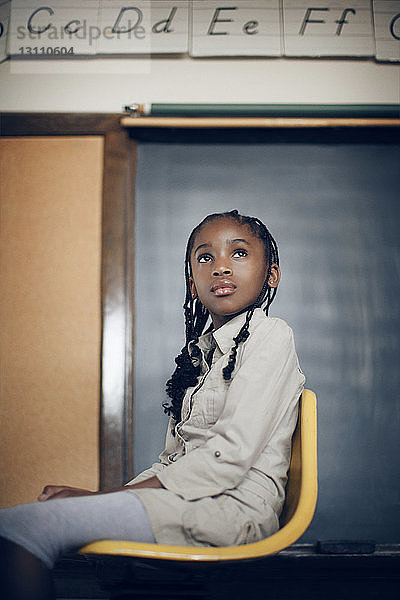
{"x": 274, "y": 276}
{"x": 193, "y": 290}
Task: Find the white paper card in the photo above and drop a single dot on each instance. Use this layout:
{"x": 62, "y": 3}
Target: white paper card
{"x": 387, "y": 29}
{"x": 335, "y": 28}
{"x": 5, "y": 8}
{"x": 144, "y": 27}
{"x": 65, "y": 27}
{"x": 244, "y": 28}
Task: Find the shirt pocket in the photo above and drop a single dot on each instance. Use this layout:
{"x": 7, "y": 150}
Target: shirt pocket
{"x": 214, "y": 405}
{"x": 200, "y": 409}
{"x": 217, "y": 390}
{"x": 207, "y": 406}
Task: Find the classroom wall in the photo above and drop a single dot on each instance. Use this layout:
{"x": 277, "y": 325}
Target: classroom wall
{"x": 105, "y": 85}
{"x": 50, "y": 321}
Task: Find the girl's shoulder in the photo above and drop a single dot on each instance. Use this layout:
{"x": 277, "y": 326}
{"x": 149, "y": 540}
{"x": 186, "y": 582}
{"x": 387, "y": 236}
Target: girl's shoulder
{"x": 270, "y": 347}
{"x": 262, "y": 326}
{"x": 269, "y": 335}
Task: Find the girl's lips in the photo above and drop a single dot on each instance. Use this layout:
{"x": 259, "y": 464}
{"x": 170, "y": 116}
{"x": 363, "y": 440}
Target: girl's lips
{"x": 223, "y": 288}
{"x": 224, "y": 291}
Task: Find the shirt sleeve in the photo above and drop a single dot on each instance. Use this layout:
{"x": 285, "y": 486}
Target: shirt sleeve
{"x": 171, "y": 447}
{"x": 266, "y": 385}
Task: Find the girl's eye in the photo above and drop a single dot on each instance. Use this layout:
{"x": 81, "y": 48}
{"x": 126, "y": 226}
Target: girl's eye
{"x": 240, "y": 253}
{"x": 203, "y": 258}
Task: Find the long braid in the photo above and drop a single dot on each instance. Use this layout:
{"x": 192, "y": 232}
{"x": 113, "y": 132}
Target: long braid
{"x": 187, "y": 370}
{"x": 188, "y": 367}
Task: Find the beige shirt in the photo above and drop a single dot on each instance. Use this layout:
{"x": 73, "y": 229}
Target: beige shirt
{"x": 224, "y": 472}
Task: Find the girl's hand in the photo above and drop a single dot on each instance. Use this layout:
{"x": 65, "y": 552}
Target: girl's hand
{"x": 61, "y": 491}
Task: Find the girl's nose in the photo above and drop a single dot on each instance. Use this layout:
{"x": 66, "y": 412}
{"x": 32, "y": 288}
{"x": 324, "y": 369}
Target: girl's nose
{"x": 222, "y": 271}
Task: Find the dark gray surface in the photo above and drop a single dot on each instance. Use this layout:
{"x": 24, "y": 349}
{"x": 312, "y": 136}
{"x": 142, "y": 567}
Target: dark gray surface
{"x": 334, "y": 211}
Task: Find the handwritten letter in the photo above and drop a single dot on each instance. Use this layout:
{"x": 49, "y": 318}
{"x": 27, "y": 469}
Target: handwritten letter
{"x": 328, "y": 28}
{"x": 43, "y": 27}
{"x": 144, "y": 27}
{"x": 242, "y": 28}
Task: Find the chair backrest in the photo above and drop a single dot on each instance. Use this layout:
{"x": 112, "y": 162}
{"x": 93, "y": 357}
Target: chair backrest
{"x": 293, "y": 486}
{"x": 301, "y": 498}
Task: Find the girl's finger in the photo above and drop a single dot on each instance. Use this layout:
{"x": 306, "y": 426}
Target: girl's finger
{"x": 44, "y": 495}
{"x": 49, "y": 491}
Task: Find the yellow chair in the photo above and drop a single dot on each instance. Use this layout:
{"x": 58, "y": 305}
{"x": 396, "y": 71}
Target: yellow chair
{"x": 301, "y": 498}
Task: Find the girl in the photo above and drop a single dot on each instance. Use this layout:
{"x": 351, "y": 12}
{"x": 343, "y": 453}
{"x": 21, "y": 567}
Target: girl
{"x": 234, "y": 393}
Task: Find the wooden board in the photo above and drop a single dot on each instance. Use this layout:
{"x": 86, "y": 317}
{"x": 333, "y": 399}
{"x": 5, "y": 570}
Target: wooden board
{"x": 50, "y": 253}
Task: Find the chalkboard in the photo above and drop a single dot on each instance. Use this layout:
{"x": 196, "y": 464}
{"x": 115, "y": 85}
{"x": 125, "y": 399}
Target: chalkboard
{"x": 334, "y": 210}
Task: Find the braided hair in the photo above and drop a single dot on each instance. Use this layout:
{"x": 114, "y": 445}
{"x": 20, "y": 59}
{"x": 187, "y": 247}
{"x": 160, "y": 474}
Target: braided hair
{"x": 188, "y": 366}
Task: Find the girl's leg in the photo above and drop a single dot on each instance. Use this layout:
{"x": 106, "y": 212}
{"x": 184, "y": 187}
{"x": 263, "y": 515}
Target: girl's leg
{"x": 38, "y": 534}
{"x": 22, "y": 575}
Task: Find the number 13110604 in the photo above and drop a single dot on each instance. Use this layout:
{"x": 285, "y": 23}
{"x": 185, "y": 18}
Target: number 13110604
{"x": 46, "y": 50}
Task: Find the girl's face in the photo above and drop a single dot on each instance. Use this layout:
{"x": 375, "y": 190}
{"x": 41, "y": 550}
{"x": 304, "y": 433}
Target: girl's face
{"x": 228, "y": 268}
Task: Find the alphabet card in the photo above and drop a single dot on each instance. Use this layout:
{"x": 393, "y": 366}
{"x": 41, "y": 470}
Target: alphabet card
{"x": 245, "y": 28}
{"x": 4, "y": 25}
{"x": 387, "y": 29}
{"x": 53, "y": 29}
{"x": 335, "y": 28}
{"x": 145, "y": 27}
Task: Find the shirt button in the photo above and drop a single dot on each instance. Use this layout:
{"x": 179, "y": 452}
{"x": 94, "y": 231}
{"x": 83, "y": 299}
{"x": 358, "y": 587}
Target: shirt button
{"x": 217, "y": 453}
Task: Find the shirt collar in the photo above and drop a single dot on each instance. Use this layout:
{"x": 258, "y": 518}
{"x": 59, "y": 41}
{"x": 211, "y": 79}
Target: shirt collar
{"x": 224, "y": 335}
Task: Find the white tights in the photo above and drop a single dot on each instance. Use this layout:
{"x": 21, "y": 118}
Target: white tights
{"x": 51, "y": 528}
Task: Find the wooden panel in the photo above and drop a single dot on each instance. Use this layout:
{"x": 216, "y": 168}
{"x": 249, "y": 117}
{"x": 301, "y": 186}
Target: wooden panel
{"x": 50, "y": 254}
{"x": 116, "y": 398}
